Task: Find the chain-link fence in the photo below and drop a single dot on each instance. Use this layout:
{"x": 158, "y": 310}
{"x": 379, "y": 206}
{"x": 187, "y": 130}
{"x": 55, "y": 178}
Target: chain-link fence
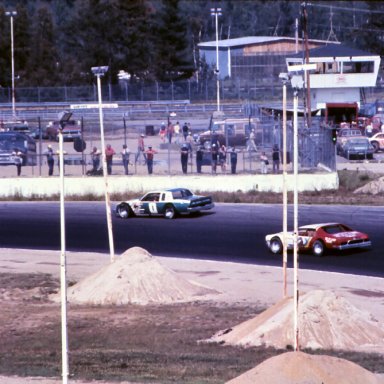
{"x": 315, "y": 148}
{"x": 260, "y": 90}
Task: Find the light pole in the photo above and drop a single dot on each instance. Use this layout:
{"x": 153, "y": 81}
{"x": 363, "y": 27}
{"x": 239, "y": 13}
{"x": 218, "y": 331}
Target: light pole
{"x": 295, "y": 222}
{"x": 99, "y": 72}
{"x": 63, "y": 119}
{"x": 11, "y": 14}
{"x": 285, "y": 78}
{"x": 217, "y": 12}
{"x": 124, "y": 76}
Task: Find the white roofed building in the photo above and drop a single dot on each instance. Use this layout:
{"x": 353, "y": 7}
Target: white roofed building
{"x": 341, "y": 73}
{"x": 250, "y": 57}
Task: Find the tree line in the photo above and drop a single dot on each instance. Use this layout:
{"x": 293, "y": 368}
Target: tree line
{"x": 56, "y": 42}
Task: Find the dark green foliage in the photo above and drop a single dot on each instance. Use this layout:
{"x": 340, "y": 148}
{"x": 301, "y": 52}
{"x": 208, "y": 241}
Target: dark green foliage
{"x": 58, "y": 41}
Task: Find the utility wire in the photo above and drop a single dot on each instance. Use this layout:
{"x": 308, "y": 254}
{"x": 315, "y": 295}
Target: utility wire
{"x": 344, "y": 8}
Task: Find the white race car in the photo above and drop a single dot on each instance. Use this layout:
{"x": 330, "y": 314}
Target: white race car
{"x": 168, "y": 203}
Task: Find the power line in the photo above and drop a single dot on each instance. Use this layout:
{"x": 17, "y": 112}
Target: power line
{"x": 344, "y": 8}
{"x": 339, "y": 27}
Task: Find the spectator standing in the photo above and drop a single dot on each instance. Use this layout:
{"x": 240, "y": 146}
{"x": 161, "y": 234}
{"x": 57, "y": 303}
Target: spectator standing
{"x": 199, "y": 158}
{"x": 223, "y": 158}
{"x": 163, "y": 132}
{"x": 176, "y": 129}
{"x": 251, "y": 142}
{"x": 264, "y": 163}
{"x": 214, "y": 154}
{"x": 95, "y": 157}
{"x": 140, "y": 149}
{"x": 275, "y": 159}
{"x": 125, "y": 158}
{"x": 185, "y": 131}
{"x": 109, "y": 153}
{"x": 233, "y": 158}
{"x": 189, "y": 140}
{"x": 170, "y": 132}
{"x": 18, "y": 160}
{"x": 50, "y": 159}
{"x": 184, "y": 158}
{"x": 369, "y": 130}
{"x": 149, "y": 156}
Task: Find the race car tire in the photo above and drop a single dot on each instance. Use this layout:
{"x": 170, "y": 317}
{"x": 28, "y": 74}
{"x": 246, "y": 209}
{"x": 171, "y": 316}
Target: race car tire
{"x": 318, "y": 248}
{"x": 124, "y": 211}
{"x": 170, "y": 212}
{"x": 276, "y": 246}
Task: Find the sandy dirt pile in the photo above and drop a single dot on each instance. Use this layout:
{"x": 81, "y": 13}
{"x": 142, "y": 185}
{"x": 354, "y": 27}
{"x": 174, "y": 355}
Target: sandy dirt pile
{"x": 301, "y": 368}
{"x": 135, "y": 277}
{"x": 373, "y": 188}
{"x": 326, "y": 321}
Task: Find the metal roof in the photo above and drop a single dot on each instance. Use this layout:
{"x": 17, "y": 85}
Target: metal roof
{"x": 249, "y": 40}
{"x": 334, "y": 50}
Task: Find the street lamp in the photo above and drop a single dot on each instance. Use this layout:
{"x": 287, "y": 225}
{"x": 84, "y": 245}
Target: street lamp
{"x": 217, "y": 12}
{"x": 63, "y": 120}
{"x": 100, "y": 72}
{"x": 285, "y": 77}
{"x": 124, "y": 76}
{"x": 11, "y": 14}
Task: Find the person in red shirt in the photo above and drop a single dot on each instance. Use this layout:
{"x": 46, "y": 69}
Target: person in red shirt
{"x": 150, "y": 154}
{"x": 109, "y": 152}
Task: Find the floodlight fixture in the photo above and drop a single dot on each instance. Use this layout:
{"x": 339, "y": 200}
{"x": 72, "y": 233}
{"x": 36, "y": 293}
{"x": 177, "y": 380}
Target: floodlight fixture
{"x": 99, "y": 71}
{"x": 64, "y": 117}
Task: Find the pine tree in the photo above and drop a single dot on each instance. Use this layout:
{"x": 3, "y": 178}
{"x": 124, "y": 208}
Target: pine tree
{"x": 173, "y": 56}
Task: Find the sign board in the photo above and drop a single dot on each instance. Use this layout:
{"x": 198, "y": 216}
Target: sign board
{"x": 90, "y": 106}
{"x": 301, "y": 67}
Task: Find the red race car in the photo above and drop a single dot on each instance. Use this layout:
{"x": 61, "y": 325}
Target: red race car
{"x": 317, "y": 238}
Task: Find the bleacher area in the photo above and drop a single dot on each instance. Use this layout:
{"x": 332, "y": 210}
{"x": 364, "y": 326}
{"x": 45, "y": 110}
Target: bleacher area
{"x": 156, "y": 110}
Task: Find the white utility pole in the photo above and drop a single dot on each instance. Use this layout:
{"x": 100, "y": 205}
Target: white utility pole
{"x": 285, "y": 189}
{"x": 99, "y": 72}
{"x": 12, "y": 14}
{"x": 63, "y": 268}
{"x": 295, "y": 223}
{"x": 217, "y": 12}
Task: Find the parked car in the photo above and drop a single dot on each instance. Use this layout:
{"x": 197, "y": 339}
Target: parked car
{"x": 11, "y": 141}
{"x": 37, "y": 133}
{"x": 377, "y": 120}
{"x": 71, "y": 131}
{"x": 345, "y": 134}
{"x": 318, "y": 238}
{"x": 377, "y": 142}
{"x": 358, "y": 148}
{"x": 230, "y": 131}
{"x": 16, "y": 126}
{"x": 168, "y": 203}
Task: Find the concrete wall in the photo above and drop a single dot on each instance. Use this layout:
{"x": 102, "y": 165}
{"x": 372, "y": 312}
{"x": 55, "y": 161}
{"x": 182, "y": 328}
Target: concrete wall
{"x": 47, "y": 186}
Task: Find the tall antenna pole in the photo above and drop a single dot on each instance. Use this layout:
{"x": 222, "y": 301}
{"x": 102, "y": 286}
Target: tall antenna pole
{"x": 307, "y": 80}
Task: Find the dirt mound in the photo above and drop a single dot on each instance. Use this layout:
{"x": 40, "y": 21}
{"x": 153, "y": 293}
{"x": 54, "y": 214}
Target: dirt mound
{"x": 374, "y": 187}
{"x": 135, "y": 277}
{"x": 326, "y": 321}
{"x": 301, "y": 368}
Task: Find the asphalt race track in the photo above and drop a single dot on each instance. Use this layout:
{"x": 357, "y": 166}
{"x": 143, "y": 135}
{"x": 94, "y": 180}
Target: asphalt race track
{"x": 231, "y": 232}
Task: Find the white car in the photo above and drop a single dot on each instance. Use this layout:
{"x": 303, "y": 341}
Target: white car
{"x": 168, "y": 203}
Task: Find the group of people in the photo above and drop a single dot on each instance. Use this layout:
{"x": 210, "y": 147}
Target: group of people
{"x": 264, "y": 162}
{"x": 174, "y": 132}
{"x": 215, "y": 156}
